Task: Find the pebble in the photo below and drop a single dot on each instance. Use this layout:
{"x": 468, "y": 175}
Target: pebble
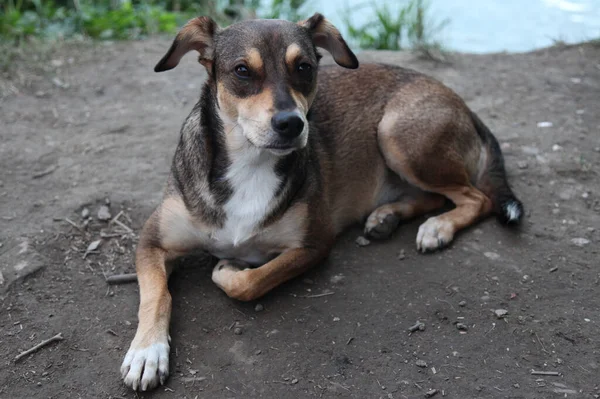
{"x": 39, "y": 384}
{"x": 259, "y": 308}
{"x": 431, "y": 393}
{"x": 421, "y": 363}
{"x": 85, "y": 213}
{"x": 500, "y": 313}
{"x": 580, "y": 241}
{"x": 401, "y": 255}
{"x": 491, "y": 255}
{"x": 556, "y": 148}
{"x": 258, "y": 352}
{"x": 462, "y": 304}
{"x": 522, "y": 164}
{"x": 462, "y": 326}
{"x": 238, "y": 331}
{"x": 294, "y": 381}
{"x": 544, "y": 124}
{"x": 104, "y": 213}
{"x": 362, "y": 241}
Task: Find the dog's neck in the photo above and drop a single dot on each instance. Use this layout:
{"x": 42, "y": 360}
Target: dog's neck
{"x": 229, "y": 181}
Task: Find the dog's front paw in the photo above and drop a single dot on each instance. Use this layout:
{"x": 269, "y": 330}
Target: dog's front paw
{"x": 434, "y": 234}
{"x": 145, "y": 367}
{"x": 381, "y": 223}
{"x": 232, "y": 276}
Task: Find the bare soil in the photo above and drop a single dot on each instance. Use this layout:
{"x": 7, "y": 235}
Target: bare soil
{"x": 100, "y": 124}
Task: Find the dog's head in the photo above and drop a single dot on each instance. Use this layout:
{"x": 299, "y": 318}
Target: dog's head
{"x": 265, "y": 74}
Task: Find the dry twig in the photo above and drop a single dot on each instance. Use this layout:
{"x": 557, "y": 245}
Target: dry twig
{"x": 57, "y": 337}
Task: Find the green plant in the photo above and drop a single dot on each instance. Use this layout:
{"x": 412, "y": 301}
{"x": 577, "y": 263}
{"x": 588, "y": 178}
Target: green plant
{"x": 395, "y": 28}
{"x": 292, "y": 10}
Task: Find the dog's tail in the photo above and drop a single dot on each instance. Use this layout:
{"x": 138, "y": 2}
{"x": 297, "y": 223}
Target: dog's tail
{"x": 493, "y": 181}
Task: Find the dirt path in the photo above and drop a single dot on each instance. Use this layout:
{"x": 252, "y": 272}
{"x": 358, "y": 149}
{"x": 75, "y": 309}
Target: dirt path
{"x": 109, "y": 131}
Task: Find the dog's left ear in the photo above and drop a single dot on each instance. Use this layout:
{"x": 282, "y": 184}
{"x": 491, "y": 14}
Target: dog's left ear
{"x": 198, "y": 34}
{"x": 326, "y": 36}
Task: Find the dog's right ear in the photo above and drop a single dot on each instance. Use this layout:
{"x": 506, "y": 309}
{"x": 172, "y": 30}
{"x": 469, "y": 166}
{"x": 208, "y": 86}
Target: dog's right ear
{"x": 198, "y": 34}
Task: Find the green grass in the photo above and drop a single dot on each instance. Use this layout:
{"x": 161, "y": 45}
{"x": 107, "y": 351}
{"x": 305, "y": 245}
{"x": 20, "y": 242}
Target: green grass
{"x": 407, "y": 25}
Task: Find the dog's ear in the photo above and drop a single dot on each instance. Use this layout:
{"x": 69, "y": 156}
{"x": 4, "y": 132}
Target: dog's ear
{"x": 198, "y": 34}
{"x": 326, "y": 36}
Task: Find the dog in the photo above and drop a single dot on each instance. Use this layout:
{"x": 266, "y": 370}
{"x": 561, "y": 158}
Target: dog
{"x": 280, "y": 155}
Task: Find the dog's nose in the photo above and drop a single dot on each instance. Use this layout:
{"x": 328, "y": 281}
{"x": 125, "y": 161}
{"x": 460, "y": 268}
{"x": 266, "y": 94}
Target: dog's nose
{"x": 287, "y": 124}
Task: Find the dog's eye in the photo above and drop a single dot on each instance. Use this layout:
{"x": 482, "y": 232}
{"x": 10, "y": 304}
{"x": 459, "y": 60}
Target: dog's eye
{"x": 304, "y": 69}
{"x": 242, "y": 71}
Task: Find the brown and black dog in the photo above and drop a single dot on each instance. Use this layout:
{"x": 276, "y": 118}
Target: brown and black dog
{"x": 280, "y": 155}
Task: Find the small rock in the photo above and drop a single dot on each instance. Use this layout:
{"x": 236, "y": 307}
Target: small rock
{"x": 85, "y": 213}
{"x": 462, "y": 326}
{"x": 580, "y": 241}
{"x": 431, "y": 393}
{"x": 485, "y": 298}
{"x": 107, "y": 201}
{"x": 500, "y": 313}
{"x": 556, "y": 148}
{"x": 517, "y": 385}
{"x": 336, "y": 319}
{"x": 104, "y": 213}
{"x": 93, "y": 246}
{"x": 57, "y": 63}
{"x": 421, "y": 363}
{"x": 576, "y": 80}
{"x": 362, "y": 241}
{"x": 40, "y": 94}
{"x": 258, "y": 352}
{"x": 492, "y": 255}
{"x": 259, "y": 308}
{"x": 462, "y": 304}
{"x": 39, "y": 384}
{"x": 580, "y": 111}
{"x": 294, "y": 381}
{"x": 401, "y": 255}
{"x": 544, "y": 124}
{"x": 522, "y": 164}
{"x": 238, "y": 331}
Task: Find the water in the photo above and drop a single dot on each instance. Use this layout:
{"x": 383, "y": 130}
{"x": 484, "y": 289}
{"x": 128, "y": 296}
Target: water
{"x": 485, "y": 26}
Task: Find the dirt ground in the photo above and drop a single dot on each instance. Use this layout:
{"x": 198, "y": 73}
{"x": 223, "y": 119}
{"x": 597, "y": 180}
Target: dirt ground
{"x": 99, "y": 124}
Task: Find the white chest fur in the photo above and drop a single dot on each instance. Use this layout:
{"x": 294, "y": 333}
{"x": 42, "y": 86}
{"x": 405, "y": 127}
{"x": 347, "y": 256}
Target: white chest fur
{"x": 254, "y": 182}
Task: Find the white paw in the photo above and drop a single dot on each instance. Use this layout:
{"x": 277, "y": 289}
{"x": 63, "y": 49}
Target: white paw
{"x": 145, "y": 368}
{"x": 226, "y": 271}
{"x": 434, "y": 234}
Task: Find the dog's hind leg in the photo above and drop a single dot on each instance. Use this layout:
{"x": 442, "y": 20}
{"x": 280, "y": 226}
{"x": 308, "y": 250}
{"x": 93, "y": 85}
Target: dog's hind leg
{"x": 384, "y": 220}
{"x": 431, "y": 142}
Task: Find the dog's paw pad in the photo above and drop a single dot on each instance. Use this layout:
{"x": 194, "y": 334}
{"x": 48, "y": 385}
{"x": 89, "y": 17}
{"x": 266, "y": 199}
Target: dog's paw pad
{"x": 381, "y": 224}
{"x": 434, "y": 234}
{"x": 143, "y": 369}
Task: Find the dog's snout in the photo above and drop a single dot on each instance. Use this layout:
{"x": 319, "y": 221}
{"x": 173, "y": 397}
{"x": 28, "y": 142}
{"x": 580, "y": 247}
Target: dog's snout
{"x": 287, "y": 124}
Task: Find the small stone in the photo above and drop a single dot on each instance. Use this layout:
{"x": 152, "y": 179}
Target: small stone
{"x": 238, "y": 331}
{"x": 431, "y": 393}
{"x": 104, "y": 213}
{"x": 522, "y": 164}
{"x": 107, "y": 201}
{"x": 500, "y": 313}
{"x": 85, "y": 213}
{"x": 39, "y": 384}
{"x": 259, "y": 308}
{"x": 401, "y": 255}
{"x": 294, "y": 381}
{"x": 421, "y": 363}
{"x": 495, "y": 278}
{"x": 462, "y": 326}
{"x": 336, "y": 319}
{"x": 580, "y": 241}
{"x": 258, "y": 352}
{"x": 485, "y": 298}
{"x": 517, "y": 385}
{"x": 40, "y": 94}
{"x": 462, "y": 304}
{"x": 556, "y": 148}
{"x": 45, "y": 373}
{"x": 544, "y": 124}
{"x": 491, "y": 255}
{"x": 362, "y": 241}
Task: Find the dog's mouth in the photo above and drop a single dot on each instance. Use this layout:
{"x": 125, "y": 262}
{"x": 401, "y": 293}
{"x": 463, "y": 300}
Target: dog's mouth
{"x": 279, "y": 149}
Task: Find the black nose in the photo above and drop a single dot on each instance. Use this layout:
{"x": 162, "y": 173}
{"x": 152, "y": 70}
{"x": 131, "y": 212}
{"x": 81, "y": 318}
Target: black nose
{"x": 287, "y": 124}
